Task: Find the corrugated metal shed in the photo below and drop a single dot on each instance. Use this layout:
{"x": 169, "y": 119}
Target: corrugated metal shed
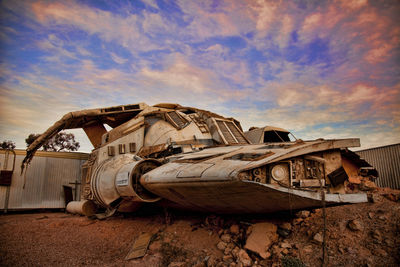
{"x": 386, "y": 160}
{"x": 45, "y": 178}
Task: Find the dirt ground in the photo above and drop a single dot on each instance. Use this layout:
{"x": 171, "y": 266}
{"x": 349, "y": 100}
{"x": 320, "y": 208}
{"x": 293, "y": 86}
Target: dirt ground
{"x": 357, "y": 235}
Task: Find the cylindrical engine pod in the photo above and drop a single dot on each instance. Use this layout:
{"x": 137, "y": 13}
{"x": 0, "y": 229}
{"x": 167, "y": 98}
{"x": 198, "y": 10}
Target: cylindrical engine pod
{"x": 127, "y": 181}
{"x": 119, "y": 177}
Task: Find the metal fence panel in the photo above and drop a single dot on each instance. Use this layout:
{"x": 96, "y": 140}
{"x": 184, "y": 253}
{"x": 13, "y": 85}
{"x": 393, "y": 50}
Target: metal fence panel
{"x": 386, "y": 160}
{"x": 45, "y": 177}
{"x": 3, "y": 189}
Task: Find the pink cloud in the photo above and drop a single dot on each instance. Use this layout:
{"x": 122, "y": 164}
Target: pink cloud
{"x": 110, "y": 27}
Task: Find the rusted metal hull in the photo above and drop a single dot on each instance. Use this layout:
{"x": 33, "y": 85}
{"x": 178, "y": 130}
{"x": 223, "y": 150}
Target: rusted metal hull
{"x": 212, "y": 180}
{"x": 245, "y": 197}
{"x": 200, "y": 160}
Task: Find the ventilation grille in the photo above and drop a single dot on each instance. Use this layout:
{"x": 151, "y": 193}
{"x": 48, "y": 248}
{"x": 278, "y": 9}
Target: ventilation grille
{"x": 226, "y": 133}
{"x": 178, "y": 120}
{"x": 231, "y": 133}
{"x": 239, "y": 137}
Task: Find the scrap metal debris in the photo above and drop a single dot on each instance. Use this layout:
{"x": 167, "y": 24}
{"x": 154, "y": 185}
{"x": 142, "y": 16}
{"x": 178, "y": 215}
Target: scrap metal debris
{"x": 140, "y": 246}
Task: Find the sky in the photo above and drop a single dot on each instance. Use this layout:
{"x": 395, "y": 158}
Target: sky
{"x": 321, "y": 69}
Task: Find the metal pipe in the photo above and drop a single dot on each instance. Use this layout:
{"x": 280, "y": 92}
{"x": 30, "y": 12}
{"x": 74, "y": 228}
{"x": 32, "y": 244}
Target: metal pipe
{"x": 85, "y": 207}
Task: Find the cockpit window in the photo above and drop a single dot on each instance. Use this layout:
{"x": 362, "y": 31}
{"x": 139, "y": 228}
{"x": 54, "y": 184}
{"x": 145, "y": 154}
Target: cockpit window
{"x": 276, "y": 137}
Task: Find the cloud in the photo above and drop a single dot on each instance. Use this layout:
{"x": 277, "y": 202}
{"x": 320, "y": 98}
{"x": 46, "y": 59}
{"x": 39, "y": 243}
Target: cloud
{"x": 110, "y": 27}
{"x": 118, "y": 59}
{"x": 151, "y": 3}
{"x": 265, "y": 15}
{"x": 322, "y": 69}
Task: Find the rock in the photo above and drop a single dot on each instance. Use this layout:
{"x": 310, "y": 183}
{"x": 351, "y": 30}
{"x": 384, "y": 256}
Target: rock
{"x": 230, "y": 245}
{"x": 284, "y": 229}
{"x": 283, "y": 233}
{"x": 234, "y": 229}
{"x": 382, "y": 218}
{"x": 212, "y": 261}
{"x": 227, "y": 251}
{"x": 374, "y": 198}
{"x": 342, "y": 226}
{"x": 285, "y": 251}
{"x": 389, "y": 242}
{"x": 220, "y": 232}
{"x": 261, "y": 238}
{"x": 244, "y": 258}
{"x": 297, "y": 221}
{"x": 226, "y": 238}
{"x": 318, "y": 238}
{"x": 303, "y": 214}
{"x": 381, "y": 252}
{"x": 235, "y": 252}
{"x": 286, "y": 226}
{"x": 392, "y": 196}
{"x": 377, "y": 235}
{"x": 309, "y": 233}
{"x": 308, "y": 249}
{"x": 227, "y": 258}
{"x": 318, "y": 211}
{"x": 355, "y": 225}
{"x": 276, "y": 250}
{"x": 267, "y": 255}
{"x": 286, "y": 245}
{"x": 367, "y": 185}
{"x": 249, "y": 229}
{"x": 333, "y": 235}
{"x": 370, "y": 215}
{"x": 221, "y": 245}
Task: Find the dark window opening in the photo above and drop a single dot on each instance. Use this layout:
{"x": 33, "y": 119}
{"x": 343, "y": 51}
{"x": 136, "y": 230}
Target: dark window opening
{"x": 130, "y": 107}
{"x": 112, "y": 109}
{"x": 276, "y": 137}
{"x": 188, "y": 111}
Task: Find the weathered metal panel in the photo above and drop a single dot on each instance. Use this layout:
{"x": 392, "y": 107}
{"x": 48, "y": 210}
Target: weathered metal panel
{"x": 386, "y": 160}
{"x": 45, "y": 177}
{"x": 3, "y": 189}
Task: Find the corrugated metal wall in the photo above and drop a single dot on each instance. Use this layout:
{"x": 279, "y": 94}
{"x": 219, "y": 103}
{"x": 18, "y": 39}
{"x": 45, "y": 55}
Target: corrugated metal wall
{"x": 45, "y": 177}
{"x": 386, "y": 160}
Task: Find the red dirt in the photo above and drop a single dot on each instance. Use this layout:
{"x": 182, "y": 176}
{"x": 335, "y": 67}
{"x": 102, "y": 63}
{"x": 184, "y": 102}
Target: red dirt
{"x": 58, "y": 239}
